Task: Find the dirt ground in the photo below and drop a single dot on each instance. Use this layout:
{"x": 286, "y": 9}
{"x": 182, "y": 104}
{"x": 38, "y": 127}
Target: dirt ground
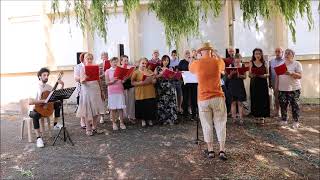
{"x": 164, "y": 152}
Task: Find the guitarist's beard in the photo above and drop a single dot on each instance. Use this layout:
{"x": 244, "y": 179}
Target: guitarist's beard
{"x": 44, "y": 81}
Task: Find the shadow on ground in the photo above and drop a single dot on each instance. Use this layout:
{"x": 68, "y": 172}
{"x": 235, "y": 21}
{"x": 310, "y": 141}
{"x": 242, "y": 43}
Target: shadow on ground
{"x": 164, "y": 152}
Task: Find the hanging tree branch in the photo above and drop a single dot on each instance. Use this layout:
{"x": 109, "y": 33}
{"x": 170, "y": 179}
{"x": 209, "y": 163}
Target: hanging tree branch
{"x": 289, "y": 9}
{"x": 181, "y": 18}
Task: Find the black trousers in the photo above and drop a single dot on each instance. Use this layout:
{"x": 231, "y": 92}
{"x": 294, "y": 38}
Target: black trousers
{"x": 78, "y": 100}
{"x": 36, "y": 116}
{"x": 189, "y": 92}
{"x": 227, "y": 95}
{"x": 292, "y": 98}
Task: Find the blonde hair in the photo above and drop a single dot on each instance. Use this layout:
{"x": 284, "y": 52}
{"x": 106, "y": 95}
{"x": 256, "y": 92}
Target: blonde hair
{"x": 87, "y": 55}
{"x": 143, "y": 59}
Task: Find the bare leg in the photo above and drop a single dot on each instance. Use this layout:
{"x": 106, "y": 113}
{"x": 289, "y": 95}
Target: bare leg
{"x": 240, "y": 108}
{"x": 113, "y": 116}
{"x": 210, "y": 146}
{"x": 88, "y": 124}
{"x": 233, "y": 109}
{"x": 82, "y": 122}
{"x": 114, "y": 119}
{"x": 38, "y": 133}
{"x": 120, "y": 114}
{"x": 94, "y": 122}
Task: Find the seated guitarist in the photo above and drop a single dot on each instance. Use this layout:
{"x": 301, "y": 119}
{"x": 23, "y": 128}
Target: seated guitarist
{"x": 43, "y": 76}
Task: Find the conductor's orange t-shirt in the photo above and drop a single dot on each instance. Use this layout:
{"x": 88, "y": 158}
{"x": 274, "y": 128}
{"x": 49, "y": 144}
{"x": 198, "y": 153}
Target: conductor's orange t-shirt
{"x": 208, "y": 72}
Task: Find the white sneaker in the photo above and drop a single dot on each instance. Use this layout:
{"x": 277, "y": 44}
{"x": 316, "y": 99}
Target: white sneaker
{"x": 143, "y": 123}
{"x": 296, "y": 125}
{"x": 150, "y": 123}
{"x": 171, "y": 123}
{"x": 122, "y": 126}
{"x": 57, "y": 126}
{"x": 40, "y": 143}
{"x": 101, "y": 120}
{"x": 283, "y": 124}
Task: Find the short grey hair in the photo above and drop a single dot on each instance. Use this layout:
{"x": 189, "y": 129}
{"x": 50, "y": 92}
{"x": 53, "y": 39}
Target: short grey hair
{"x": 291, "y": 51}
{"x": 104, "y": 53}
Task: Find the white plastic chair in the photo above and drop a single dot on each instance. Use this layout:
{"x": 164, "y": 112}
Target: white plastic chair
{"x": 24, "y": 111}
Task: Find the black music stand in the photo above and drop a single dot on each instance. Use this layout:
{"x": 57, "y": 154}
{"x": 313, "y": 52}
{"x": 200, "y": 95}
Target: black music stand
{"x": 60, "y": 95}
{"x": 197, "y": 140}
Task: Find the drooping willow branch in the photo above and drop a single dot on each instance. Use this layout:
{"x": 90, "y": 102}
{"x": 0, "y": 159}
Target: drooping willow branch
{"x": 181, "y": 18}
{"x": 289, "y": 9}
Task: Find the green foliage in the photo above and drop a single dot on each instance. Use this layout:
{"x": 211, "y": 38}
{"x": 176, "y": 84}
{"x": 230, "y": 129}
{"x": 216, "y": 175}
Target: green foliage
{"x": 99, "y": 15}
{"x": 181, "y": 18}
{"x": 251, "y": 10}
{"x": 213, "y": 6}
{"x": 82, "y": 16}
{"x": 129, "y": 6}
{"x": 289, "y": 9}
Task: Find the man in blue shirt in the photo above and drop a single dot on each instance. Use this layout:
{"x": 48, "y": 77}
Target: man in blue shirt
{"x": 278, "y": 60}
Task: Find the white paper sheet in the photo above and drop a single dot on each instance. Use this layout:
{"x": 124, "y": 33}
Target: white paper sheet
{"x": 188, "y": 77}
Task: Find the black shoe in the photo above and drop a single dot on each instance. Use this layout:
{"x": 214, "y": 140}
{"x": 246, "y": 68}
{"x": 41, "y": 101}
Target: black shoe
{"x": 222, "y": 156}
{"x": 209, "y": 154}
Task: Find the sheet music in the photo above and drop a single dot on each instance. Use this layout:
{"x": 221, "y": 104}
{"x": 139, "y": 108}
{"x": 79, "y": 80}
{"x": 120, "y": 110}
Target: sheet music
{"x": 60, "y": 94}
{"x": 188, "y": 77}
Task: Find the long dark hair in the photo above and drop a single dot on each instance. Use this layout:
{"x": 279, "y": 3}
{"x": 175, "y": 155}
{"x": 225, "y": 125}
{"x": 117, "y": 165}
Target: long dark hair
{"x": 164, "y": 57}
{"x": 254, "y": 58}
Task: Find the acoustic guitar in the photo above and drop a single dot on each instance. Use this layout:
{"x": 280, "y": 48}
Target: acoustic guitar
{"x": 46, "y": 110}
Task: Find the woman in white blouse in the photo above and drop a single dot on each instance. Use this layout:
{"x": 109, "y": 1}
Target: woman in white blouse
{"x": 290, "y": 88}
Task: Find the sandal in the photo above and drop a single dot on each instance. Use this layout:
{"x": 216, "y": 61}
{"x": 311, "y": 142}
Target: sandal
{"x": 89, "y": 133}
{"x": 209, "y": 154}
{"x": 96, "y": 131}
{"x": 222, "y": 156}
{"x": 132, "y": 121}
{"x": 241, "y": 122}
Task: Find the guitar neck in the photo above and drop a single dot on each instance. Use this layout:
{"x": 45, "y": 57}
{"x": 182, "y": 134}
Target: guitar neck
{"x": 56, "y": 85}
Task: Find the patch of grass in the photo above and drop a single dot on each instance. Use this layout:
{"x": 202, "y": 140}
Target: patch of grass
{"x": 314, "y": 101}
{"x": 26, "y": 173}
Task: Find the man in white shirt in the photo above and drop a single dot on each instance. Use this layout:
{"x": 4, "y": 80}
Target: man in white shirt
{"x": 76, "y": 74}
{"x": 278, "y": 60}
{"x": 43, "y": 76}
{"x": 174, "y": 62}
